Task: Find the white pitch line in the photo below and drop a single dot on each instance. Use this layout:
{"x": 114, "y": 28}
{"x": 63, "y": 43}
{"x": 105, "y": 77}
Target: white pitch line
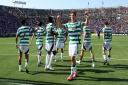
{"x": 7, "y": 43}
{"x": 114, "y": 59}
{"x": 92, "y": 44}
{"x": 66, "y": 56}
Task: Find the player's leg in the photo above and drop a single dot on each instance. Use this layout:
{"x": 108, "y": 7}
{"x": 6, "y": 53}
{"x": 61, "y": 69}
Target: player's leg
{"x": 81, "y": 56}
{"x": 98, "y": 35}
{"x": 62, "y": 51}
{"x": 109, "y": 57}
{"x": 26, "y": 60}
{"x": 104, "y": 55}
{"x": 92, "y": 54}
{"x": 73, "y": 69}
{"x": 55, "y": 57}
{"x": 39, "y": 52}
{"x": 73, "y": 64}
{"x": 20, "y": 61}
{"x": 47, "y": 55}
{"x": 47, "y": 60}
{"x": 53, "y": 53}
{"x": 57, "y": 50}
{"x": 92, "y": 57}
{"x": 72, "y": 52}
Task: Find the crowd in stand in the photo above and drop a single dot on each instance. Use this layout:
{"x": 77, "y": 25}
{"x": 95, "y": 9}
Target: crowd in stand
{"x": 11, "y": 16}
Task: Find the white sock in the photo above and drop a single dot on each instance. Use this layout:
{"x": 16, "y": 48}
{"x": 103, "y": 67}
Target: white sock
{"x": 104, "y": 57}
{"x": 108, "y": 59}
{"x": 20, "y": 67}
{"x": 50, "y": 60}
{"x": 47, "y": 60}
{"x": 73, "y": 69}
{"x": 61, "y": 56}
{"x": 93, "y": 64}
{"x": 38, "y": 57}
{"x": 79, "y": 61}
{"x": 26, "y": 63}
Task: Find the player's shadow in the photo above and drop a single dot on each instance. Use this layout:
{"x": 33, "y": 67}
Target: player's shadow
{"x": 11, "y": 81}
{"x": 89, "y": 61}
{"x": 81, "y": 71}
{"x": 67, "y": 61}
{"x": 89, "y": 78}
{"x": 60, "y": 65}
{"x": 56, "y": 72}
{"x": 119, "y": 66}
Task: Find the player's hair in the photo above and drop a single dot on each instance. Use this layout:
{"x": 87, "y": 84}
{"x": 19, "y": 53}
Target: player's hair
{"x": 50, "y": 19}
{"x": 40, "y": 23}
{"x": 106, "y": 23}
{"x": 73, "y": 12}
{"x": 23, "y": 22}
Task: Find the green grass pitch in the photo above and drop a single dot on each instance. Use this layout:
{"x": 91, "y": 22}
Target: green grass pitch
{"x": 115, "y": 74}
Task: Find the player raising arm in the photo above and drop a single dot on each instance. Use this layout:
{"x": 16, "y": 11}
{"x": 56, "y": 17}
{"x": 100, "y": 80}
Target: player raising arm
{"x": 87, "y": 42}
{"x": 61, "y": 37}
{"x": 73, "y": 29}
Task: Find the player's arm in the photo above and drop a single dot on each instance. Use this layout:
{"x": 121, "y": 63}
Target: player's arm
{"x": 17, "y": 37}
{"x": 66, "y": 34}
{"x": 58, "y": 21}
{"x": 16, "y": 41}
{"x": 86, "y": 22}
{"x": 66, "y": 31}
{"x": 32, "y": 37}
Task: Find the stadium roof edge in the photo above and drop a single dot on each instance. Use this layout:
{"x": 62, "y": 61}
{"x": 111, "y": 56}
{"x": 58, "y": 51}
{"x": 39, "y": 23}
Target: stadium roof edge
{"x": 66, "y": 9}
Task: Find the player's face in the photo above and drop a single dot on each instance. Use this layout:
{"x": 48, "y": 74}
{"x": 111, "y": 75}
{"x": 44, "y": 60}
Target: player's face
{"x": 59, "y": 18}
{"x": 86, "y": 14}
{"x": 72, "y": 16}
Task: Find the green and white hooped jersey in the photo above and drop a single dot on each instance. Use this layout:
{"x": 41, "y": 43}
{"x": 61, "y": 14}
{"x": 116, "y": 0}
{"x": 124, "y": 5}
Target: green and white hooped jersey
{"x": 39, "y": 32}
{"x": 24, "y": 33}
{"x": 74, "y": 31}
{"x": 50, "y": 30}
{"x": 86, "y": 34}
{"x": 61, "y": 35}
{"x": 107, "y": 34}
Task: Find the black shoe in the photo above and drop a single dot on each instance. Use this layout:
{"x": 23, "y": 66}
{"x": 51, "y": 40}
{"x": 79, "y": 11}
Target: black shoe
{"x": 27, "y": 70}
{"x": 105, "y": 62}
{"x": 108, "y": 64}
{"x": 39, "y": 64}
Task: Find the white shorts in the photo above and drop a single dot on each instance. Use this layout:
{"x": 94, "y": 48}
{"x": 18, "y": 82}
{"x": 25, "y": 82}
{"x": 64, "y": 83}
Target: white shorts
{"x": 49, "y": 45}
{"x": 73, "y": 49}
{"x": 59, "y": 45}
{"x": 24, "y": 49}
{"x": 107, "y": 46}
{"x": 86, "y": 46}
